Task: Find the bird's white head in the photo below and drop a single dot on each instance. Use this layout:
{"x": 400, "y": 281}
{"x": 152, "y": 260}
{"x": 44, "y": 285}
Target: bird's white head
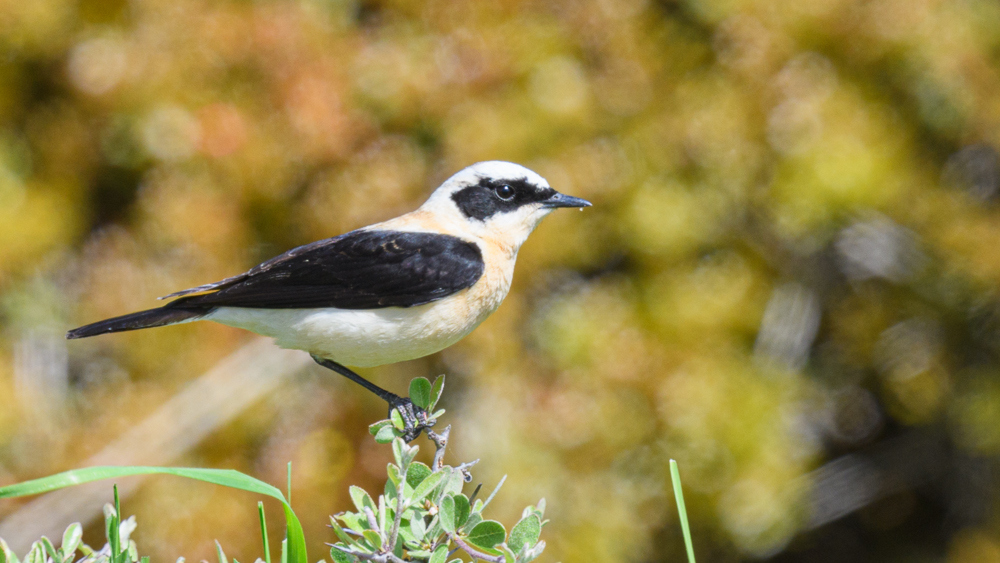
{"x": 498, "y": 201}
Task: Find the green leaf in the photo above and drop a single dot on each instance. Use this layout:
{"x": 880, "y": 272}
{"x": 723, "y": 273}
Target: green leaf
{"x": 397, "y": 420}
{"x": 221, "y": 555}
{"x": 508, "y": 555}
{"x": 361, "y": 499}
{"x": 675, "y": 476}
{"x": 385, "y": 435}
{"x": 525, "y": 533}
{"x": 436, "y": 391}
{"x": 71, "y": 540}
{"x": 393, "y": 473}
{"x": 420, "y": 392}
{"x": 50, "y": 549}
{"x": 225, "y": 477}
{"x": 375, "y": 427}
{"x": 111, "y": 529}
{"x": 399, "y": 453}
{"x": 462, "y": 510}
{"x": 36, "y": 555}
{"x": 455, "y": 482}
{"x": 337, "y": 529}
{"x": 487, "y": 534}
{"x": 373, "y": 538}
{"x": 434, "y": 528}
{"x": 355, "y": 522}
{"x": 6, "y": 555}
{"x": 406, "y": 536}
{"x": 441, "y": 553}
{"x": 474, "y": 519}
{"x": 418, "y": 528}
{"x": 426, "y": 486}
{"x": 416, "y": 473}
{"x": 263, "y": 531}
{"x": 340, "y": 557}
{"x": 447, "y": 514}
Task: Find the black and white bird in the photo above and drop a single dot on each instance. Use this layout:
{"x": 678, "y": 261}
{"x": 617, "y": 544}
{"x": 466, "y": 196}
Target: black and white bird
{"x": 389, "y": 292}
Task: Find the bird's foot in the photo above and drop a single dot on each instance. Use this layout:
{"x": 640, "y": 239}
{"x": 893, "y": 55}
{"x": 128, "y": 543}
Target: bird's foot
{"x": 415, "y": 419}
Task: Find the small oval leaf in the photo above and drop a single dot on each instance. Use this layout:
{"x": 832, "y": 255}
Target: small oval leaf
{"x": 474, "y": 519}
{"x": 373, "y": 538}
{"x": 487, "y": 534}
{"x": 397, "y": 420}
{"x": 420, "y": 392}
{"x": 440, "y": 555}
{"x": 462, "y": 510}
{"x": 436, "y": 391}
{"x": 418, "y": 528}
{"x": 71, "y": 540}
{"x": 447, "y": 514}
{"x": 426, "y": 486}
{"x": 385, "y": 434}
{"x": 525, "y": 533}
{"x": 361, "y": 499}
{"x": 416, "y": 473}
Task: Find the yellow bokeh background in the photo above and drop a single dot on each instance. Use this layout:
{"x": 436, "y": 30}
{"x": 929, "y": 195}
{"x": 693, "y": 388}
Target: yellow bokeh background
{"x": 787, "y": 282}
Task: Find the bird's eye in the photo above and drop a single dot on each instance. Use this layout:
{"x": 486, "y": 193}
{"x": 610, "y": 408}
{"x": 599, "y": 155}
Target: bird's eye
{"x": 504, "y": 192}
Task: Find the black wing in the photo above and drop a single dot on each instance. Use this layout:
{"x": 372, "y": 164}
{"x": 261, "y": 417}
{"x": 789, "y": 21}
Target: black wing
{"x": 357, "y": 270}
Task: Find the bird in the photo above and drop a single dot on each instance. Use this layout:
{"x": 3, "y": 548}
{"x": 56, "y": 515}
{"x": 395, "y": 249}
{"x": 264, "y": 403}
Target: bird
{"x": 392, "y": 291}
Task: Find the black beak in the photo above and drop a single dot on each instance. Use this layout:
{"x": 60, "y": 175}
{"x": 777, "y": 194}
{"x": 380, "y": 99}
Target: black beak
{"x": 562, "y": 200}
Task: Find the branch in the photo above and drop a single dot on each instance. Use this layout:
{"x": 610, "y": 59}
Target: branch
{"x": 464, "y": 469}
{"x": 441, "y": 442}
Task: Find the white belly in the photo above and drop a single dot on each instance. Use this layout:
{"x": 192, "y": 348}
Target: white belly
{"x": 362, "y": 338}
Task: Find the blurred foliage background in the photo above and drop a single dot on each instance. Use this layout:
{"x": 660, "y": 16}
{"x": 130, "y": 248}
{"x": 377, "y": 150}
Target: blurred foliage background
{"x": 788, "y": 280}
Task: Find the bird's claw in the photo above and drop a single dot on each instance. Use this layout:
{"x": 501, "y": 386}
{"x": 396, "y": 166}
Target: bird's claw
{"x": 415, "y": 419}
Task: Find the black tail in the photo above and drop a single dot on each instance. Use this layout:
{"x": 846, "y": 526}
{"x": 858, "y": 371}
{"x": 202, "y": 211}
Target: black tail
{"x": 143, "y": 319}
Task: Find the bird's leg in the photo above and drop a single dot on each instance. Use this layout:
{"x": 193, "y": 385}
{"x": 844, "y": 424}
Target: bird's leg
{"x": 414, "y": 417}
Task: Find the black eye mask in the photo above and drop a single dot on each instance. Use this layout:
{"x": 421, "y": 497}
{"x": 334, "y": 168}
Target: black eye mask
{"x": 483, "y": 200}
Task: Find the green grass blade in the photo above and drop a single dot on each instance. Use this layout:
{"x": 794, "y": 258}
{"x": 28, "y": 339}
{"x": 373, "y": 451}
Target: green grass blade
{"x": 675, "y": 476}
{"x": 263, "y": 532}
{"x": 114, "y": 536}
{"x": 224, "y": 477}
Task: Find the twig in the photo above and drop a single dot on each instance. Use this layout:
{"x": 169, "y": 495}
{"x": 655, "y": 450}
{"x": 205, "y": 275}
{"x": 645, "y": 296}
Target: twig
{"x": 464, "y": 469}
{"x": 475, "y": 553}
{"x": 441, "y": 442}
{"x": 394, "y": 533}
